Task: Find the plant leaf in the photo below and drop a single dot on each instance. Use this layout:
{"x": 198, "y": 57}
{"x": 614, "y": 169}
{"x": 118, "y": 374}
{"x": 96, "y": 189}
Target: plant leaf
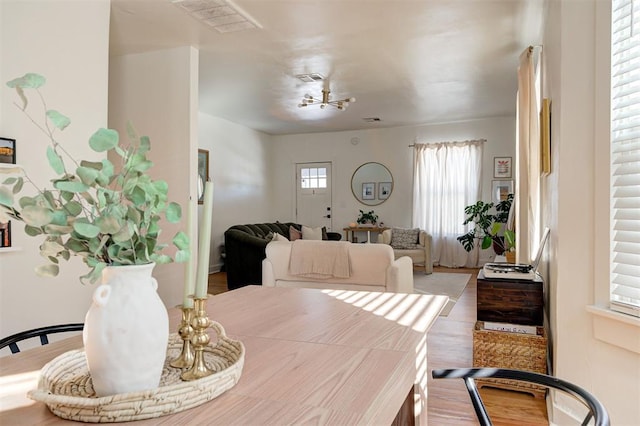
{"x": 87, "y": 230}
{"x": 55, "y": 161}
{"x": 18, "y": 186}
{"x": 50, "y": 270}
{"x": 173, "y": 213}
{"x": 182, "y": 256}
{"x": 104, "y": 140}
{"x": 35, "y": 215}
{"x": 87, "y": 175}
{"x": 59, "y": 120}
{"x": 27, "y": 81}
{"x": 71, "y": 186}
{"x": 181, "y": 240}
{"x": 6, "y": 197}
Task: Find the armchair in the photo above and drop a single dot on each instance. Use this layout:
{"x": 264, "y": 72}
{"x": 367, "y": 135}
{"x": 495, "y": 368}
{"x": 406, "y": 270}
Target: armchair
{"x": 419, "y": 251}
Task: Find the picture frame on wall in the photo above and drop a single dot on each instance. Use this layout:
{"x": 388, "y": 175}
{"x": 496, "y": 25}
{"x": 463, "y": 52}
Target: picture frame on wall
{"x": 5, "y": 234}
{"x": 384, "y": 190}
{"x": 500, "y": 189}
{"x": 502, "y": 167}
{"x": 545, "y": 137}
{"x": 203, "y": 172}
{"x": 7, "y": 151}
{"x": 369, "y": 191}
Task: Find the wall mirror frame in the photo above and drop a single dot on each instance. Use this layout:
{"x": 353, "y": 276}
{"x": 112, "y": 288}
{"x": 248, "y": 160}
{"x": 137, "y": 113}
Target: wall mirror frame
{"x": 372, "y": 183}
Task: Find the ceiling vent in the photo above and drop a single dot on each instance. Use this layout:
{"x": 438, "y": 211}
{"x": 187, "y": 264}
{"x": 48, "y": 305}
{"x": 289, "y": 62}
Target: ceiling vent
{"x": 310, "y": 78}
{"x": 372, "y": 119}
{"x": 223, "y": 15}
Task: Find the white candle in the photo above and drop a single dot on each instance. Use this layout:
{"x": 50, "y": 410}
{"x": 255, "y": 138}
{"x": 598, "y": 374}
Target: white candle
{"x": 204, "y": 242}
{"x": 189, "y": 269}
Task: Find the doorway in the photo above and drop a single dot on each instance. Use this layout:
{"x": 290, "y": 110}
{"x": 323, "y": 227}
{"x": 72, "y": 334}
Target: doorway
{"x": 313, "y": 194}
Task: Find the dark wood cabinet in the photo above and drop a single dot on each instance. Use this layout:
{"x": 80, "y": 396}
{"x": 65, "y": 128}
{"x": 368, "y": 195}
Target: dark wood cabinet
{"x": 510, "y": 301}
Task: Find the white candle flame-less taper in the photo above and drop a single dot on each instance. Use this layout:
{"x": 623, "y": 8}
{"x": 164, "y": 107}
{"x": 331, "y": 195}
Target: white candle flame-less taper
{"x": 204, "y": 242}
{"x": 189, "y": 271}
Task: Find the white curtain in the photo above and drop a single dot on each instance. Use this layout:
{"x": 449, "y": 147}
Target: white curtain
{"x": 446, "y": 180}
{"x": 527, "y": 195}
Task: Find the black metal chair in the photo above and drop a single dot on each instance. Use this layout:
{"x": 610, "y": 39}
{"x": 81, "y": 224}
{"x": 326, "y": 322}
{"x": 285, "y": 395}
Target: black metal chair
{"x": 596, "y": 409}
{"x": 42, "y": 332}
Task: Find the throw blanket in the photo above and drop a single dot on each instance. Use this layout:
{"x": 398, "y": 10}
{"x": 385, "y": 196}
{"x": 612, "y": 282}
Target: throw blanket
{"x": 320, "y": 259}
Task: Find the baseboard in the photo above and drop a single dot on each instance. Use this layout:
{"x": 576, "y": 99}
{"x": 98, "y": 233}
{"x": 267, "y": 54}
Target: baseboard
{"x": 562, "y": 414}
{"x": 214, "y": 269}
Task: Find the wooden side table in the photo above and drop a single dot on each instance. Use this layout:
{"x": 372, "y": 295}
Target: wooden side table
{"x": 367, "y": 229}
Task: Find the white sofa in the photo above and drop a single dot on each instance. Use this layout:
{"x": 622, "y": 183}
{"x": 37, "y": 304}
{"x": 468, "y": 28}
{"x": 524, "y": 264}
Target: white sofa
{"x": 420, "y": 255}
{"x": 372, "y": 268}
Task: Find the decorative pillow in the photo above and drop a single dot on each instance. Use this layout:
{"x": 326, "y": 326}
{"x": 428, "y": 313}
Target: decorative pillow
{"x": 278, "y": 237}
{"x": 311, "y": 233}
{"x": 294, "y": 234}
{"x": 404, "y": 239}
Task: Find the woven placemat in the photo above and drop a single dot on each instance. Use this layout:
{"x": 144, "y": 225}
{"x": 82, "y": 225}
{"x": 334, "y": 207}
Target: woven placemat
{"x": 65, "y": 385}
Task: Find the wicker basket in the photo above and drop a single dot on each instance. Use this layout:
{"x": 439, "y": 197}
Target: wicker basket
{"x": 501, "y": 349}
{"x": 65, "y": 385}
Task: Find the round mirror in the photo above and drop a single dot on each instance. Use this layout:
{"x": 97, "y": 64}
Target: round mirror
{"x": 372, "y": 184}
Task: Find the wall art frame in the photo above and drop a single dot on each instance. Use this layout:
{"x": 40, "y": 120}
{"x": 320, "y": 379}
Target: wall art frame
{"x": 369, "y": 191}
{"x": 500, "y": 189}
{"x": 7, "y": 151}
{"x": 502, "y": 167}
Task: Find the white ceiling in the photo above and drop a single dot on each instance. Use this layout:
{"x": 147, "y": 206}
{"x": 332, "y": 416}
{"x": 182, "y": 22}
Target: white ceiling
{"x": 407, "y": 62}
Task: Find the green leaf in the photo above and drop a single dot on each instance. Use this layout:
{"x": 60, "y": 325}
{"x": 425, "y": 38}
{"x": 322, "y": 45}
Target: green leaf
{"x": 138, "y": 196}
{"x": 59, "y": 218}
{"x": 182, "y": 256}
{"x": 52, "y": 229}
{"x": 73, "y": 208}
{"x": 59, "y": 120}
{"x": 145, "y": 145}
{"x": 6, "y": 196}
{"x": 486, "y": 242}
{"x": 87, "y": 175}
{"x": 71, "y": 186}
{"x": 108, "y": 224}
{"x": 87, "y": 230}
{"x": 173, "y": 213}
{"x": 103, "y": 140}
{"x": 50, "y": 248}
{"x": 55, "y": 161}
{"x": 8, "y": 181}
{"x": 50, "y": 270}
{"x": 18, "y": 186}
{"x": 32, "y": 231}
{"x": 36, "y": 215}
{"x": 181, "y": 240}
{"x": 27, "y": 81}
{"x": 161, "y": 259}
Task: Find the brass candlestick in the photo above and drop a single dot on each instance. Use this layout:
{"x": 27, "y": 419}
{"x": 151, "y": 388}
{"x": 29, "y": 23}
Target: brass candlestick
{"x": 185, "y": 359}
{"x": 199, "y": 339}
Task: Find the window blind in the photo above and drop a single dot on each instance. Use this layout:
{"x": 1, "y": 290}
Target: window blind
{"x": 625, "y": 156}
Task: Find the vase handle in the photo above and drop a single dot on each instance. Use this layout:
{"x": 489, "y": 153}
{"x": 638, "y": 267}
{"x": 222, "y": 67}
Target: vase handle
{"x": 154, "y": 283}
{"x": 101, "y": 295}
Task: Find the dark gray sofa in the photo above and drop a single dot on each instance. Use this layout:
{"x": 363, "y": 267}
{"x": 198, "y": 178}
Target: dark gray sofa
{"x": 245, "y": 249}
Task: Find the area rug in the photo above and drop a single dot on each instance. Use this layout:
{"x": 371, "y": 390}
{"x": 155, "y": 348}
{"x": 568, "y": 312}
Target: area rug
{"x": 449, "y": 284}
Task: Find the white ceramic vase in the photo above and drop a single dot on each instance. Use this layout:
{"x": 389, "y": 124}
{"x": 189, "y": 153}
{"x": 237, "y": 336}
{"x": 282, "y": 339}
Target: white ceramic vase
{"x": 126, "y": 331}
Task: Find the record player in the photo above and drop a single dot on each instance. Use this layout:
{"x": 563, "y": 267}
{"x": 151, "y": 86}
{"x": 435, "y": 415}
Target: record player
{"x": 516, "y": 271}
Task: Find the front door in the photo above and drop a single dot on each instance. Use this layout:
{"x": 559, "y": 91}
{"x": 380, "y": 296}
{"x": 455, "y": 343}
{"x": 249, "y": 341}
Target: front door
{"x": 313, "y": 194}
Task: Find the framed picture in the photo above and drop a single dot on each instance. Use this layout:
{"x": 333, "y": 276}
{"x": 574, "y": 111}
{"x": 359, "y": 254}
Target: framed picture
{"x": 7, "y": 151}
{"x": 545, "y": 137}
{"x": 502, "y": 167}
{"x": 369, "y": 191}
{"x": 384, "y": 189}
{"x": 203, "y": 172}
{"x": 500, "y": 189}
{"x": 5, "y": 234}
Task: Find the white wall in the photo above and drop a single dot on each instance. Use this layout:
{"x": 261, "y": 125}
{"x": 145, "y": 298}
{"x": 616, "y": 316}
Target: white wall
{"x": 67, "y": 42}
{"x": 389, "y": 147}
{"x": 241, "y": 168}
{"x": 158, "y": 93}
{"x": 575, "y": 200}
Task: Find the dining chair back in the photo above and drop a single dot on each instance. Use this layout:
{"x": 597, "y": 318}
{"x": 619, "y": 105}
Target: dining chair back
{"x": 42, "y": 332}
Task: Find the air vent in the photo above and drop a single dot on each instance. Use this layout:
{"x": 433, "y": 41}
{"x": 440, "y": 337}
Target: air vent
{"x": 372, "y": 119}
{"x": 310, "y": 78}
{"x": 223, "y": 15}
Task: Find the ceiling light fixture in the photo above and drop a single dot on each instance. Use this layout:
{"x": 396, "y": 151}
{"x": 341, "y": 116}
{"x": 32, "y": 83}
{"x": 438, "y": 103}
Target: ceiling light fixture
{"x": 341, "y": 104}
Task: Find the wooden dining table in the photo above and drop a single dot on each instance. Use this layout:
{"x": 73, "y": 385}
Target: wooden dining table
{"x": 313, "y": 356}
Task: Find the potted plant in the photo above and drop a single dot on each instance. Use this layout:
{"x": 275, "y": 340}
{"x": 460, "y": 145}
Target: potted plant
{"x": 367, "y": 218}
{"x": 489, "y": 228}
{"x": 108, "y": 213}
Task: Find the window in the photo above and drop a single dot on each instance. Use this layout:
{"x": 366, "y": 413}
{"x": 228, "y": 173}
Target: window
{"x": 625, "y": 156}
{"x": 313, "y": 177}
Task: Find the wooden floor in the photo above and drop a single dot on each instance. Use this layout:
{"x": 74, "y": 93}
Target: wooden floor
{"x": 450, "y": 346}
